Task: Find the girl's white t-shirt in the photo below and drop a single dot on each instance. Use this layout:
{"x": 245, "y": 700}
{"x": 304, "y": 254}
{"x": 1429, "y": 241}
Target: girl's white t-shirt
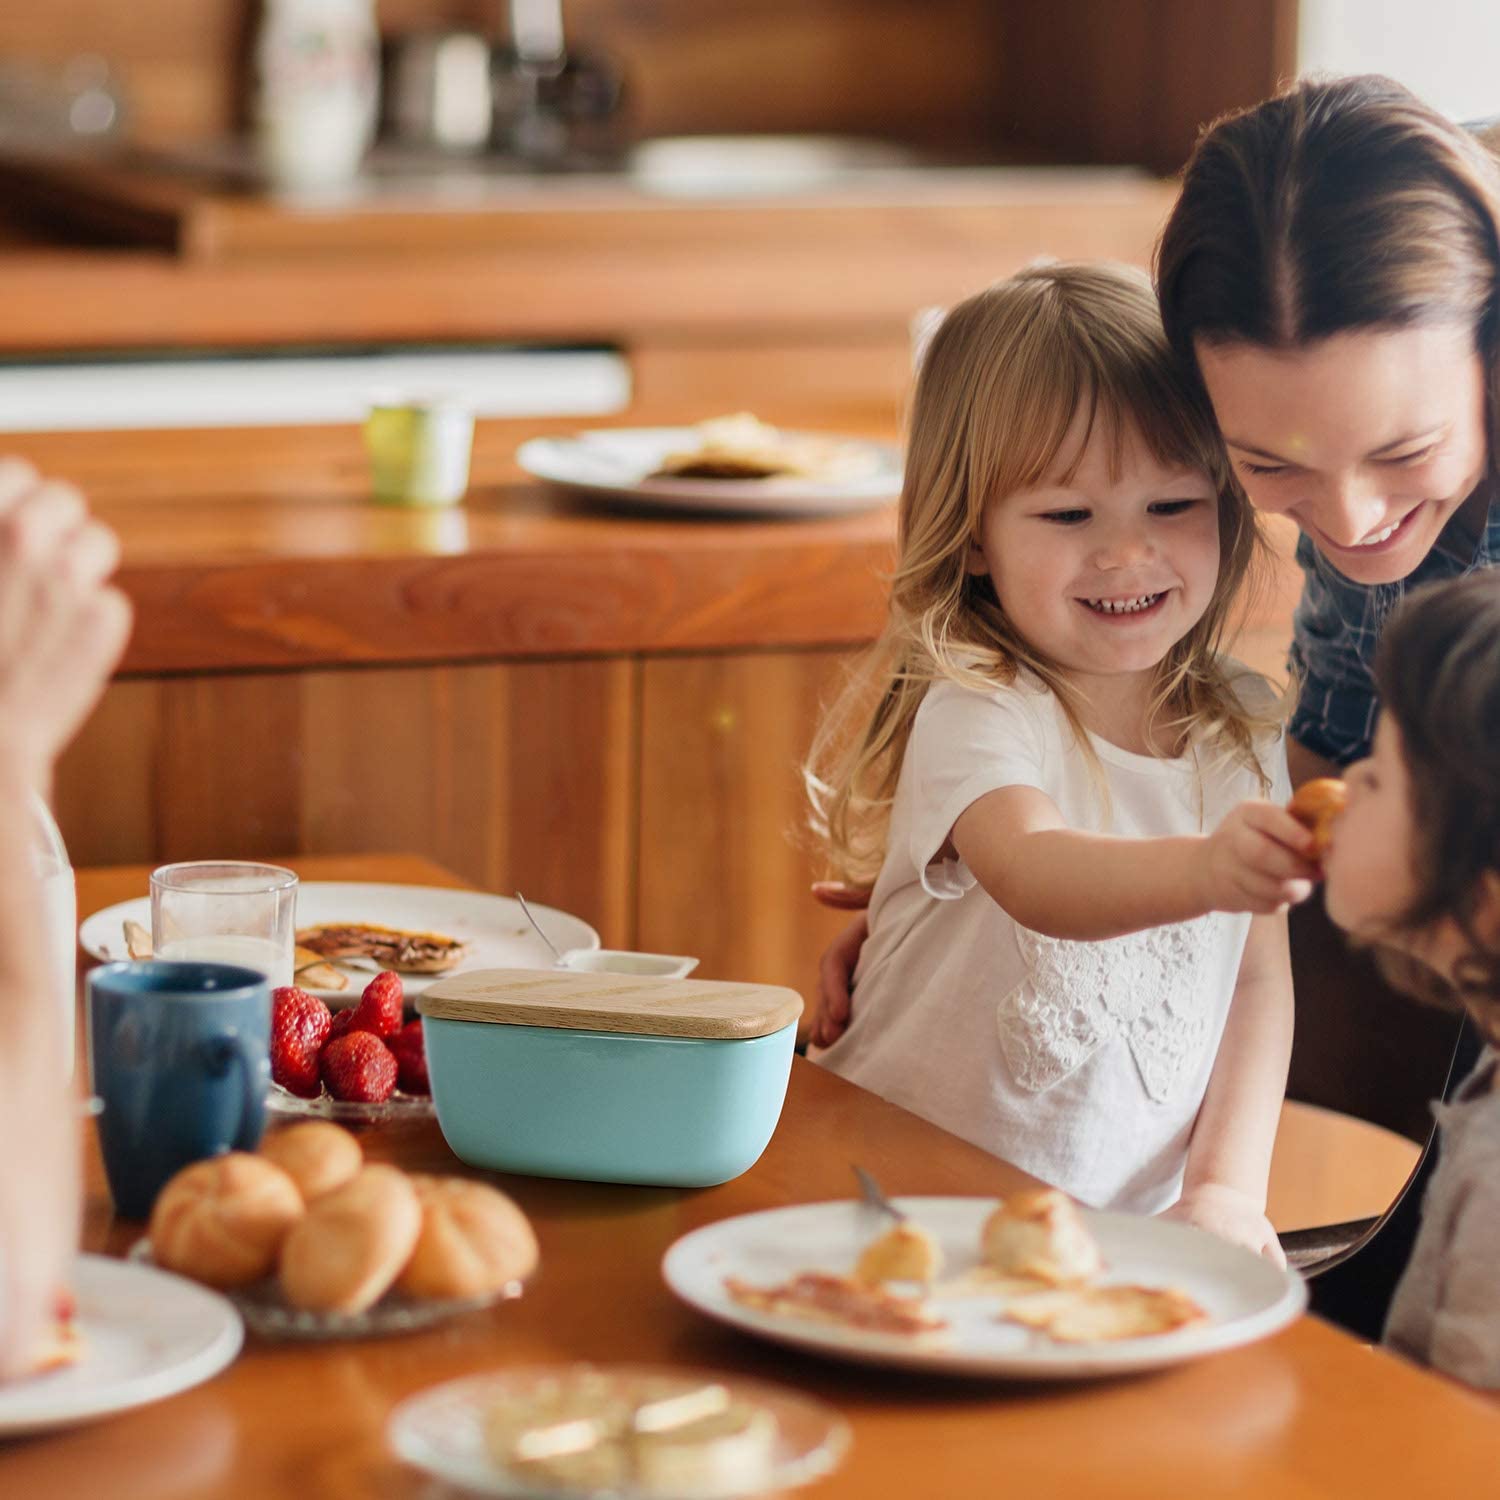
{"x": 1084, "y": 1063}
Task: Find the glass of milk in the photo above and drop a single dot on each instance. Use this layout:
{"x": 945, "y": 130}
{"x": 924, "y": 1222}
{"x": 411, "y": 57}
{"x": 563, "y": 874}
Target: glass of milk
{"x": 226, "y": 911}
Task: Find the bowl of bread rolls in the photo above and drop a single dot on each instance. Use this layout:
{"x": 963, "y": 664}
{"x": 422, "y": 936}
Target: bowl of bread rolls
{"x": 309, "y": 1240}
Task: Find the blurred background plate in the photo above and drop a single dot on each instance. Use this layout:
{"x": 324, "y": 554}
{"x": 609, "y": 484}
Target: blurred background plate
{"x": 618, "y": 463}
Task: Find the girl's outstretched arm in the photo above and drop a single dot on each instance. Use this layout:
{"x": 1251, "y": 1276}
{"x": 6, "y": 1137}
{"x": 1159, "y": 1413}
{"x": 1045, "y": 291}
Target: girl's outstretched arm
{"x": 1089, "y": 886}
{"x": 1229, "y": 1158}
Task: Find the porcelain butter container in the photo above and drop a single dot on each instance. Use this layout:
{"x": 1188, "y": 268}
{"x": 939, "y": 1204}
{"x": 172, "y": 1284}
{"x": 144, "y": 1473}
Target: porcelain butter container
{"x": 608, "y": 1077}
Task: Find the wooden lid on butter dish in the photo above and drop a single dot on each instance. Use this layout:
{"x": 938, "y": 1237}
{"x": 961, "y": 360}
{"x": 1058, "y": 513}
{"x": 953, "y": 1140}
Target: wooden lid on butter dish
{"x": 717, "y": 1010}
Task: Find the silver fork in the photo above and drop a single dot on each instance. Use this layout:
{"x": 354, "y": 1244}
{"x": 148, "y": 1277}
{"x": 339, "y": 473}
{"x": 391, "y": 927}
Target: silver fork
{"x": 871, "y": 1195}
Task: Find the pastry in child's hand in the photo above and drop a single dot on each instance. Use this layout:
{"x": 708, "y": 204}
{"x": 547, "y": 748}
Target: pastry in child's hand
{"x": 905, "y": 1252}
{"x": 352, "y": 1243}
{"x": 474, "y": 1241}
{"x": 1316, "y": 805}
{"x": 316, "y": 1154}
{"x": 1101, "y": 1314}
{"x": 1040, "y": 1234}
{"x": 222, "y": 1221}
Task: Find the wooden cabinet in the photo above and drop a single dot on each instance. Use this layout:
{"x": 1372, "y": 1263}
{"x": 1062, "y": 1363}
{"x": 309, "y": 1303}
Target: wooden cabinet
{"x": 658, "y": 797}
{"x": 513, "y": 775}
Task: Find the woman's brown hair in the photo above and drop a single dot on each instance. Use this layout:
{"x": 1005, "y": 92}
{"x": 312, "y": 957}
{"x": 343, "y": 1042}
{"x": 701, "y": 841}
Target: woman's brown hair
{"x": 1339, "y": 205}
{"x": 1438, "y": 674}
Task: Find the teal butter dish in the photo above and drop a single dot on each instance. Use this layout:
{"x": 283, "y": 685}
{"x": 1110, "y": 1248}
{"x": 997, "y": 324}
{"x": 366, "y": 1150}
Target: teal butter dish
{"x": 608, "y": 1077}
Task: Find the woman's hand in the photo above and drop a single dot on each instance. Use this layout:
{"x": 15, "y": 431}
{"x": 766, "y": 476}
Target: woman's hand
{"x": 1259, "y": 859}
{"x": 1230, "y": 1214}
{"x": 831, "y": 1015}
{"x": 62, "y": 629}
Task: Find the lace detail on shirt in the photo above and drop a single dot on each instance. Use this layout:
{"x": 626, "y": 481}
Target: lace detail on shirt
{"x": 1150, "y": 988}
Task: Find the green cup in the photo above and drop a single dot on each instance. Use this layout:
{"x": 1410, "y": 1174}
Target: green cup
{"x": 419, "y": 452}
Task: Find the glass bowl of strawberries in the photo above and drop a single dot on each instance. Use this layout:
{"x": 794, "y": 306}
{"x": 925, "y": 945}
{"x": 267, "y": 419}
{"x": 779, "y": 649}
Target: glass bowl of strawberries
{"x": 367, "y": 1062}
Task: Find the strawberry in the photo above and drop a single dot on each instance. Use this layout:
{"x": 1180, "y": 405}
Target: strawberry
{"x": 299, "y": 1026}
{"x": 411, "y": 1058}
{"x": 381, "y": 1007}
{"x": 359, "y": 1066}
{"x": 342, "y": 1023}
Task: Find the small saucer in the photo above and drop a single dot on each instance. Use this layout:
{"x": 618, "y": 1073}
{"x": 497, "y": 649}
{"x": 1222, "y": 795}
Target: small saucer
{"x": 266, "y": 1312}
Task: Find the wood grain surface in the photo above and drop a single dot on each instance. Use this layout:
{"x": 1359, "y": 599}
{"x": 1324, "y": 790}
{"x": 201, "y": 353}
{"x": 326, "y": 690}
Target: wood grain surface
{"x": 1309, "y": 1413}
{"x": 706, "y": 1009}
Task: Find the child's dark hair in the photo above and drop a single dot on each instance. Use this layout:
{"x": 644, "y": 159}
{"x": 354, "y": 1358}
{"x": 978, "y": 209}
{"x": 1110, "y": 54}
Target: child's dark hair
{"x": 1438, "y": 675}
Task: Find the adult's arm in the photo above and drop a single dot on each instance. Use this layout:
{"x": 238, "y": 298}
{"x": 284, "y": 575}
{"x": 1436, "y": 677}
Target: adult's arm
{"x": 1307, "y": 765}
{"x": 62, "y": 630}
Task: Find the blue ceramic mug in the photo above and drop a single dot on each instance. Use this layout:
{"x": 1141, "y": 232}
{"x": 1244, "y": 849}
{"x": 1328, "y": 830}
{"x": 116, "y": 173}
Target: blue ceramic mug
{"x": 179, "y": 1056}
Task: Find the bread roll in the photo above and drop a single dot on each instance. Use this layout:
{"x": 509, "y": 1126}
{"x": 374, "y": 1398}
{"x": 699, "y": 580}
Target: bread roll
{"x": 317, "y": 1155}
{"x": 1040, "y": 1234}
{"x": 223, "y": 1221}
{"x": 351, "y": 1243}
{"x": 473, "y": 1241}
{"x": 1316, "y": 805}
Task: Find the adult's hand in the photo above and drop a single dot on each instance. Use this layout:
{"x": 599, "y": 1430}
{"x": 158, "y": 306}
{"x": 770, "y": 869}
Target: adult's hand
{"x": 62, "y": 627}
{"x": 835, "y": 982}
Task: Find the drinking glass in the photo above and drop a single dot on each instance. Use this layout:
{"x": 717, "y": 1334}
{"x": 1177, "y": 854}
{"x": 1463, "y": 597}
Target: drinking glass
{"x": 226, "y": 911}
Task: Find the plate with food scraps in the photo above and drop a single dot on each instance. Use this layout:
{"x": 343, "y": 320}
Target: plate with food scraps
{"x": 622, "y": 1431}
{"x": 266, "y": 1311}
{"x": 493, "y": 931}
{"x": 748, "y": 1271}
{"x": 136, "y": 1335}
{"x": 731, "y": 465}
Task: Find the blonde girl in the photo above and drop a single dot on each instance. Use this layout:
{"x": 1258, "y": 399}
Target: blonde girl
{"x": 1065, "y": 965}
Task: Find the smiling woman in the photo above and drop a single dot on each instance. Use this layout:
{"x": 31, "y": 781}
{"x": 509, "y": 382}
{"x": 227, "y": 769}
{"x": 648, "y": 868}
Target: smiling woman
{"x": 1330, "y": 273}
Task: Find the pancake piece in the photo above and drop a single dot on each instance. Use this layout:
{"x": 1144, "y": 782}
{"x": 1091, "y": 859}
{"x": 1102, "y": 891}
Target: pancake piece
{"x": 1105, "y": 1314}
{"x": 819, "y": 1297}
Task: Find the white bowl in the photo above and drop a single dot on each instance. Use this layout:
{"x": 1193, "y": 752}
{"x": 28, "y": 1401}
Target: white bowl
{"x": 620, "y": 961}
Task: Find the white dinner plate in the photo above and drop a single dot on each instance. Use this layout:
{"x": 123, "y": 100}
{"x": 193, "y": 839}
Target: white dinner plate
{"x": 493, "y": 929}
{"x": 1245, "y": 1296}
{"x": 146, "y": 1335}
{"x": 441, "y": 1431}
{"x": 618, "y": 463}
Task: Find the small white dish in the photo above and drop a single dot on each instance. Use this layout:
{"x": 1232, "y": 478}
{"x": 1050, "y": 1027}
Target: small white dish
{"x": 441, "y": 1432}
{"x": 146, "y": 1335}
{"x": 622, "y": 961}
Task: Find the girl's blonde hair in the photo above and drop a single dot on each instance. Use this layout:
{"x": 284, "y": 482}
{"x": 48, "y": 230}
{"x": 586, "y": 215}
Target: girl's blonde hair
{"x": 1000, "y": 385}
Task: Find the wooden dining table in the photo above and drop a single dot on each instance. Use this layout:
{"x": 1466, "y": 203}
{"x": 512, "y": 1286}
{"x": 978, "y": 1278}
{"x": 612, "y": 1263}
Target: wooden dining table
{"x": 1308, "y": 1412}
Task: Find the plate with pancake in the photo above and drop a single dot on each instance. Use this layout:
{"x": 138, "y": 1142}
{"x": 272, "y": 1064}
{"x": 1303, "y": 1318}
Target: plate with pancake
{"x": 490, "y": 932}
{"x": 1165, "y": 1293}
{"x": 730, "y": 465}
{"x": 138, "y": 1335}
